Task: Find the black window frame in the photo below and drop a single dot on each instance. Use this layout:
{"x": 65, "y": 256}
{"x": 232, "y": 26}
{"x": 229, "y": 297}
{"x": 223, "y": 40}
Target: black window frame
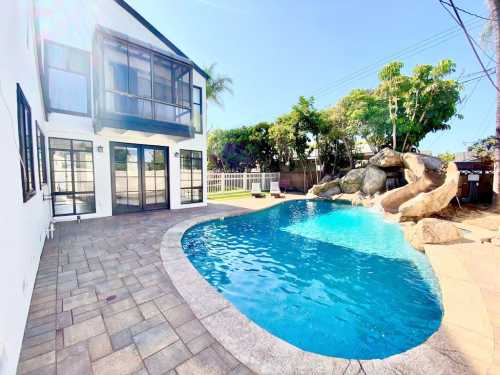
{"x": 50, "y": 108}
{"x": 192, "y": 187}
{"x": 200, "y": 105}
{"x": 102, "y": 90}
{"x": 42, "y": 156}
{"x": 25, "y": 132}
{"x": 72, "y": 192}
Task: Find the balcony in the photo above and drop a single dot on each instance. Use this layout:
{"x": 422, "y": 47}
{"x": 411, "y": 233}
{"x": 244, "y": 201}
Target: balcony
{"x": 138, "y": 88}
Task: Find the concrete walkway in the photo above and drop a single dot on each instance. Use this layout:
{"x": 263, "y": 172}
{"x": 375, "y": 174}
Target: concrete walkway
{"x": 103, "y": 304}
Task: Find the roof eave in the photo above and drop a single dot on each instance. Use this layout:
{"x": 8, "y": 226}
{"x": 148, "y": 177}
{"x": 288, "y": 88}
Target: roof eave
{"x": 158, "y": 34}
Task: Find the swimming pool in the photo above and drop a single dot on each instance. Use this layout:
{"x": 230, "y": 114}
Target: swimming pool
{"x": 328, "y": 278}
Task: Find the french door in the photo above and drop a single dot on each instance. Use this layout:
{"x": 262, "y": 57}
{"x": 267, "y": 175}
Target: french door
{"x": 139, "y": 177}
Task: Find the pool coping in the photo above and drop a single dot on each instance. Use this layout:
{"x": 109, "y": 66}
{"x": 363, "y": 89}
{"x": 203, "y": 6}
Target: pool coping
{"x": 265, "y": 353}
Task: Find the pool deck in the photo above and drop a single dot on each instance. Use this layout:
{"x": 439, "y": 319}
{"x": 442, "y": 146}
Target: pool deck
{"x": 118, "y": 296}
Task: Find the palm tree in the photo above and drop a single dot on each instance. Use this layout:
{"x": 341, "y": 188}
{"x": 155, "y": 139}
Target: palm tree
{"x": 217, "y": 85}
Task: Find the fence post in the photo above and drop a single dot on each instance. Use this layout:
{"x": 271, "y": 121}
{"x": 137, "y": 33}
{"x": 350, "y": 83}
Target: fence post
{"x": 245, "y": 186}
{"x": 222, "y": 182}
{"x": 263, "y": 180}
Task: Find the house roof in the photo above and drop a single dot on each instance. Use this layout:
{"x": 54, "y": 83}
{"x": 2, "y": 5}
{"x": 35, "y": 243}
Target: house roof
{"x": 157, "y": 33}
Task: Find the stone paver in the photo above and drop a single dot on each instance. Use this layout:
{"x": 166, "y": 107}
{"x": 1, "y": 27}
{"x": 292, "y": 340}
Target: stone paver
{"x": 104, "y": 305}
{"x": 122, "y": 320}
{"x": 83, "y": 331}
{"x": 167, "y": 359}
{"x": 99, "y": 346}
{"x": 206, "y": 361}
{"x": 123, "y": 362}
{"x": 154, "y": 339}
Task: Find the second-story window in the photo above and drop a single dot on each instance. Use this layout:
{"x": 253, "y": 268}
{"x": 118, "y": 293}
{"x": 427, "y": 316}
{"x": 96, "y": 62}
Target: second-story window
{"x": 67, "y": 71}
{"x": 143, "y": 83}
{"x": 197, "y": 110}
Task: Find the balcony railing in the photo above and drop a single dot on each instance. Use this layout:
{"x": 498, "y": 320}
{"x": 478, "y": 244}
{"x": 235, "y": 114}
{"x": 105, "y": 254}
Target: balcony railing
{"x": 126, "y": 104}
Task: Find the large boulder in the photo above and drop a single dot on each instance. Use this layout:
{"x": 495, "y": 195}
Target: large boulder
{"x": 326, "y": 178}
{"x": 416, "y": 165}
{"x": 352, "y": 181}
{"x": 431, "y": 231}
{"x": 333, "y": 190}
{"x": 428, "y": 203}
{"x": 373, "y": 180}
{"x": 326, "y": 189}
{"x": 386, "y": 158}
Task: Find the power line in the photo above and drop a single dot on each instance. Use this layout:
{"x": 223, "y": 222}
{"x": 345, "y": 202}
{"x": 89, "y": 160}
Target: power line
{"x": 412, "y": 50}
{"x": 490, "y": 71}
{"x": 464, "y": 101}
{"x": 441, "y": 35}
{"x": 468, "y": 12}
{"x": 484, "y": 124}
{"x": 458, "y": 19}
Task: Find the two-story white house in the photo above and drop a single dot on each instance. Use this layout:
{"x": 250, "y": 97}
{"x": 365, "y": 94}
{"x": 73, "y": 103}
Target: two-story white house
{"x": 100, "y": 115}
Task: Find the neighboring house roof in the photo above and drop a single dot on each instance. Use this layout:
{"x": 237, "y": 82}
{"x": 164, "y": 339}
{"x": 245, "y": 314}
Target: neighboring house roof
{"x": 158, "y": 34}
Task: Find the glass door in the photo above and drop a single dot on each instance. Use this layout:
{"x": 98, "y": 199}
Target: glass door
{"x": 139, "y": 177}
{"x": 72, "y": 171}
{"x": 154, "y": 170}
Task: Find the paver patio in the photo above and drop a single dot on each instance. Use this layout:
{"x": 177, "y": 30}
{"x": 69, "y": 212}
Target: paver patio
{"x": 103, "y": 304}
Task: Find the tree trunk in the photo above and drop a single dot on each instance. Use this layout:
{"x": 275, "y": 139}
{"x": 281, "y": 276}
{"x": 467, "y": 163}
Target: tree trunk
{"x": 316, "y": 160}
{"x": 304, "y": 176}
{"x": 394, "y": 135}
{"x": 495, "y": 16}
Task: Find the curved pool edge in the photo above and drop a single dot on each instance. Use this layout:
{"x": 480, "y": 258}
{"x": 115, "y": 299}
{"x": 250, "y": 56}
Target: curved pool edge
{"x": 265, "y": 353}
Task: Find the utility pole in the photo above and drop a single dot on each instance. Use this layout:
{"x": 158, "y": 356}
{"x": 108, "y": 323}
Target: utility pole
{"x": 495, "y": 21}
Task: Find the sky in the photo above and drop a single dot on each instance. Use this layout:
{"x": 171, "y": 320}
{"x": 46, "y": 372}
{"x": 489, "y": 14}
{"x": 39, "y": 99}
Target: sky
{"x": 278, "y": 50}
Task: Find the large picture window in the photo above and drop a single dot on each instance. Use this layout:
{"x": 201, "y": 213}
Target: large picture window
{"x": 72, "y": 172}
{"x": 25, "y": 145}
{"x": 42, "y": 158}
{"x": 67, "y": 79}
{"x": 197, "y": 110}
{"x": 142, "y": 83}
{"x": 191, "y": 177}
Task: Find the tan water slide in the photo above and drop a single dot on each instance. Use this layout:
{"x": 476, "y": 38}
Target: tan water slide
{"x": 430, "y": 189}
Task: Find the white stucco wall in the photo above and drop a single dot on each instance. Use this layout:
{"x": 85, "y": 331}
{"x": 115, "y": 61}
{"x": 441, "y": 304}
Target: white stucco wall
{"x": 83, "y": 18}
{"x": 22, "y": 225}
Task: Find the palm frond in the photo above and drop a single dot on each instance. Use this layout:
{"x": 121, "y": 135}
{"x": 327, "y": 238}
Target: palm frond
{"x": 217, "y": 85}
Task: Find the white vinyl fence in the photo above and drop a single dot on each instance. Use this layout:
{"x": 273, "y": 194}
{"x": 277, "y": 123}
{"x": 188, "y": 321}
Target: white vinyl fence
{"x": 219, "y": 182}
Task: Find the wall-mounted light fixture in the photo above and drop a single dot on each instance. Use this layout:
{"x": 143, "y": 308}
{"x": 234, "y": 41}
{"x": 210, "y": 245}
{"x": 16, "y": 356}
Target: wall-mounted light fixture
{"x": 100, "y": 149}
{"x": 177, "y": 154}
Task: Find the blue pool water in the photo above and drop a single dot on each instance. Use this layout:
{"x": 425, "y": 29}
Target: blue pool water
{"x": 326, "y": 277}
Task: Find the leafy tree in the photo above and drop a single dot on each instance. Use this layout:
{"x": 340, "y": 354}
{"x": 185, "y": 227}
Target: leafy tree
{"x": 237, "y": 153}
{"x": 392, "y": 88}
{"x": 342, "y": 128}
{"x": 241, "y": 149}
{"x": 484, "y": 149}
{"x": 369, "y": 114}
{"x": 282, "y": 137}
{"x": 308, "y": 120}
{"x": 421, "y": 103}
{"x": 215, "y": 146}
{"x": 217, "y": 85}
{"x": 447, "y": 156}
{"x": 261, "y": 146}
